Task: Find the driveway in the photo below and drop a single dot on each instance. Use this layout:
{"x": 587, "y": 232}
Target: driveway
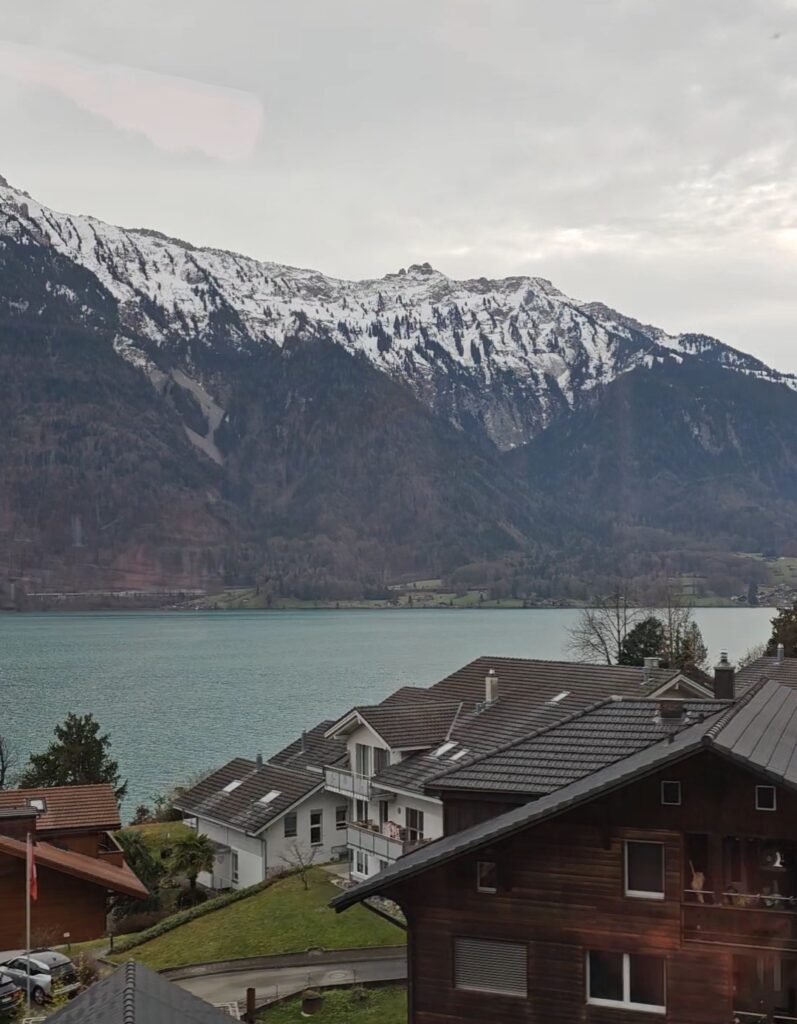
{"x": 291, "y": 974}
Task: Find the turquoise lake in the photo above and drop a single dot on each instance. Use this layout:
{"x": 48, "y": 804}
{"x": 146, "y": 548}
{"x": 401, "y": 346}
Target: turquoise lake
{"x": 182, "y": 692}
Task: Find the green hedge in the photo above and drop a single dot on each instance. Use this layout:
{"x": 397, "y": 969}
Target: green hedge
{"x": 184, "y": 916}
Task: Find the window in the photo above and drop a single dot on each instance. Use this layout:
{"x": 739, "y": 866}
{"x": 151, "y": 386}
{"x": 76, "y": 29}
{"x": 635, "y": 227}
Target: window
{"x": 444, "y": 749}
{"x": 361, "y": 810}
{"x": 486, "y": 876}
{"x": 644, "y": 870}
{"x": 361, "y": 862}
{"x": 459, "y": 754}
{"x": 233, "y": 867}
{"x": 384, "y": 814}
{"x": 627, "y": 980}
{"x": 414, "y": 824}
{"x": 289, "y": 825}
{"x": 272, "y": 795}
{"x": 559, "y": 697}
{"x": 481, "y": 965}
{"x": 383, "y": 864}
{"x": 341, "y": 816}
{"x": 38, "y": 803}
{"x": 381, "y": 759}
{"x": 231, "y": 786}
{"x": 316, "y": 828}
{"x": 362, "y": 759}
{"x": 671, "y": 794}
{"x": 765, "y": 798}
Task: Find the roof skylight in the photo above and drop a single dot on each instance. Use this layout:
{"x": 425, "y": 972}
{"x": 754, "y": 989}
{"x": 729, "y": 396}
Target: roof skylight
{"x": 272, "y": 795}
{"x": 37, "y": 803}
{"x": 231, "y": 786}
{"x": 459, "y": 754}
{"x": 559, "y": 697}
{"x": 444, "y": 749}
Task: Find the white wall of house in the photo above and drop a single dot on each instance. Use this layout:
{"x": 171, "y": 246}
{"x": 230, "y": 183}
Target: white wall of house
{"x": 365, "y": 734}
{"x": 280, "y": 846}
{"x": 259, "y": 857}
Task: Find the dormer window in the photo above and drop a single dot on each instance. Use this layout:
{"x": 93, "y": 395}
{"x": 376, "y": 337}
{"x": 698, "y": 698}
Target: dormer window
{"x": 269, "y": 797}
{"x": 444, "y": 749}
{"x": 231, "y": 786}
{"x": 38, "y": 803}
{"x": 766, "y": 798}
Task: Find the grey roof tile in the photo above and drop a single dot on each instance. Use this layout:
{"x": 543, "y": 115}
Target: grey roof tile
{"x": 135, "y": 994}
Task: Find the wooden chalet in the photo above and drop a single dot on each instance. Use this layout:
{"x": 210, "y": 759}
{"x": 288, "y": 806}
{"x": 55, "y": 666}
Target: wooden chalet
{"x": 78, "y": 863}
{"x": 635, "y": 862}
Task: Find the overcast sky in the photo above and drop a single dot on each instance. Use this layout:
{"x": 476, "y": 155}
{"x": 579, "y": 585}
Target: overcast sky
{"x": 639, "y": 152}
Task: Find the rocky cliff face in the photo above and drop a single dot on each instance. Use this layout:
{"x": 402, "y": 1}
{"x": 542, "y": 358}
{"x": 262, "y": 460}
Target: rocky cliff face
{"x": 498, "y": 358}
{"x": 186, "y": 416}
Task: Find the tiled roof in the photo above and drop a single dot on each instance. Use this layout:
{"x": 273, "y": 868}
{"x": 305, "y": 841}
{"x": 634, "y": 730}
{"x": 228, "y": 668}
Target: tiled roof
{"x": 97, "y": 870}
{"x": 419, "y": 725}
{"x": 767, "y": 668}
{"x": 758, "y": 731}
{"x": 526, "y": 692}
{"x": 69, "y": 807}
{"x": 589, "y": 740}
{"x": 312, "y": 750}
{"x": 135, "y": 994}
{"x": 241, "y": 807}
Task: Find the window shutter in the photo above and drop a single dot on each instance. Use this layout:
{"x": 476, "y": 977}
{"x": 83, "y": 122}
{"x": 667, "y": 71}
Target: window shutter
{"x": 486, "y": 966}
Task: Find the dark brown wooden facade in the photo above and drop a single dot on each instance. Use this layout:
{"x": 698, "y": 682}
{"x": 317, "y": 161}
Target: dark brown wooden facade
{"x": 561, "y": 891}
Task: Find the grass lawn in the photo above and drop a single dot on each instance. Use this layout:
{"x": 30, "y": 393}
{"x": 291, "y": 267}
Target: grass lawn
{"x": 348, "y": 1006}
{"x": 281, "y": 919}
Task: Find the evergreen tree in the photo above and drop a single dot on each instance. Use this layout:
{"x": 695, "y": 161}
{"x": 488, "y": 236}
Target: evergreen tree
{"x": 784, "y": 631}
{"x": 78, "y": 757}
{"x": 689, "y": 650}
{"x": 645, "y": 640}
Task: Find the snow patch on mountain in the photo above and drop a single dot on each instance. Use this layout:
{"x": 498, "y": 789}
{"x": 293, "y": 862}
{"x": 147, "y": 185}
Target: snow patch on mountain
{"x": 505, "y": 356}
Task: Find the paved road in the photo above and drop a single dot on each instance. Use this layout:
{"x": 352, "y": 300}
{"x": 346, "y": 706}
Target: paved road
{"x": 277, "y": 982}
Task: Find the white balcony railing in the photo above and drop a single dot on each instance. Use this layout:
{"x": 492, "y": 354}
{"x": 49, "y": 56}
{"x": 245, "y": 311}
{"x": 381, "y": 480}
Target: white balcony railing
{"x": 356, "y": 787}
{"x": 370, "y": 839}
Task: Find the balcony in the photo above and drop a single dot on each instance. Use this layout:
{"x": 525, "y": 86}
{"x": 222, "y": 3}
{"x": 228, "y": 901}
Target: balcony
{"x": 355, "y": 787}
{"x": 110, "y": 851}
{"x": 740, "y": 919}
{"x": 370, "y": 838}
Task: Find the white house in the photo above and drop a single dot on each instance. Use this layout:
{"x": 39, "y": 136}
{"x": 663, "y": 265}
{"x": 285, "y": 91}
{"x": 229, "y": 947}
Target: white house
{"x": 262, "y": 816}
{"x": 398, "y": 752}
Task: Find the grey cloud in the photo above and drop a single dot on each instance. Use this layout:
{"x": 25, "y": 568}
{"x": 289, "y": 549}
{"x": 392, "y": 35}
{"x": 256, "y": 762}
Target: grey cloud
{"x": 632, "y": 151}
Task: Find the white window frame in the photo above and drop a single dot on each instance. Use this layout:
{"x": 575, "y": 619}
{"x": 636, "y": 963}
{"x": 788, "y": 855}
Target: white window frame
{"x": 491, "y": 889}
{"x": 361, "y": 857}
{"x": 625, "y": 1003}
{"x": 773, "y": 791}
{"x": 319, "y": 825}
{"x": 671, "y": 803}
{"x": 341, "y": 823}
{"x": 642, "y": 894}
{"x": 234, "y": 867}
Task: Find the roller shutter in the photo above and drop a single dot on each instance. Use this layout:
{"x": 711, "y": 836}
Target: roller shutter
{"x": 483, "y": 965}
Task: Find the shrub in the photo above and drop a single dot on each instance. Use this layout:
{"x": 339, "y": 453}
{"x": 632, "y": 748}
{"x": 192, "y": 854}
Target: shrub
{"x": 88, "y": 970}
{"x": 140, "y": 921}
{"x": 189, "y": 898}
{"x": 184, "y": 916}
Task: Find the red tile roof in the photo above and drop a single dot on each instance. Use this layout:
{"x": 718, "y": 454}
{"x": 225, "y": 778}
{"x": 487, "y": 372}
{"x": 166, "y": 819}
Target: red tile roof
{"x": 90, "y": 869}
{"x": 69, "y": 808}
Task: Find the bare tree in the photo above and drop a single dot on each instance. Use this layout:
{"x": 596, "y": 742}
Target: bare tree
{"x": 752, "y": 654}
{"x": 600, "y": 631}
{"x": 8, "y": 761}
{"x": 683, "y": 641}
{"x": 301, "y": 860}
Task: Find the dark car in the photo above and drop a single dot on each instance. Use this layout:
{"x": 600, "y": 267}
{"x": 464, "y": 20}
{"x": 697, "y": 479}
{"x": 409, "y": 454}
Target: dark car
{"x": 10, "y": 996}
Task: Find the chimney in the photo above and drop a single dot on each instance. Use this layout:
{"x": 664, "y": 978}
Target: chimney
{"x": 781, "y": 654}
{"x": 304, "y": 741}
{"x": 647, "y": 668}
{"x": 491, "y": 687}
{"x": 259, "y": 760}
{"x": 724, "y": 678}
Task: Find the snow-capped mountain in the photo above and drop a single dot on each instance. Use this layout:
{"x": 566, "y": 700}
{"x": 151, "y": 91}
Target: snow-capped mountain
{"x": 502, "y": 358}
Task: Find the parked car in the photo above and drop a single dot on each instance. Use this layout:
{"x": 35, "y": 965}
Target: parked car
{"x": 51, "y": 973}
{"x": 11, "y": 995}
